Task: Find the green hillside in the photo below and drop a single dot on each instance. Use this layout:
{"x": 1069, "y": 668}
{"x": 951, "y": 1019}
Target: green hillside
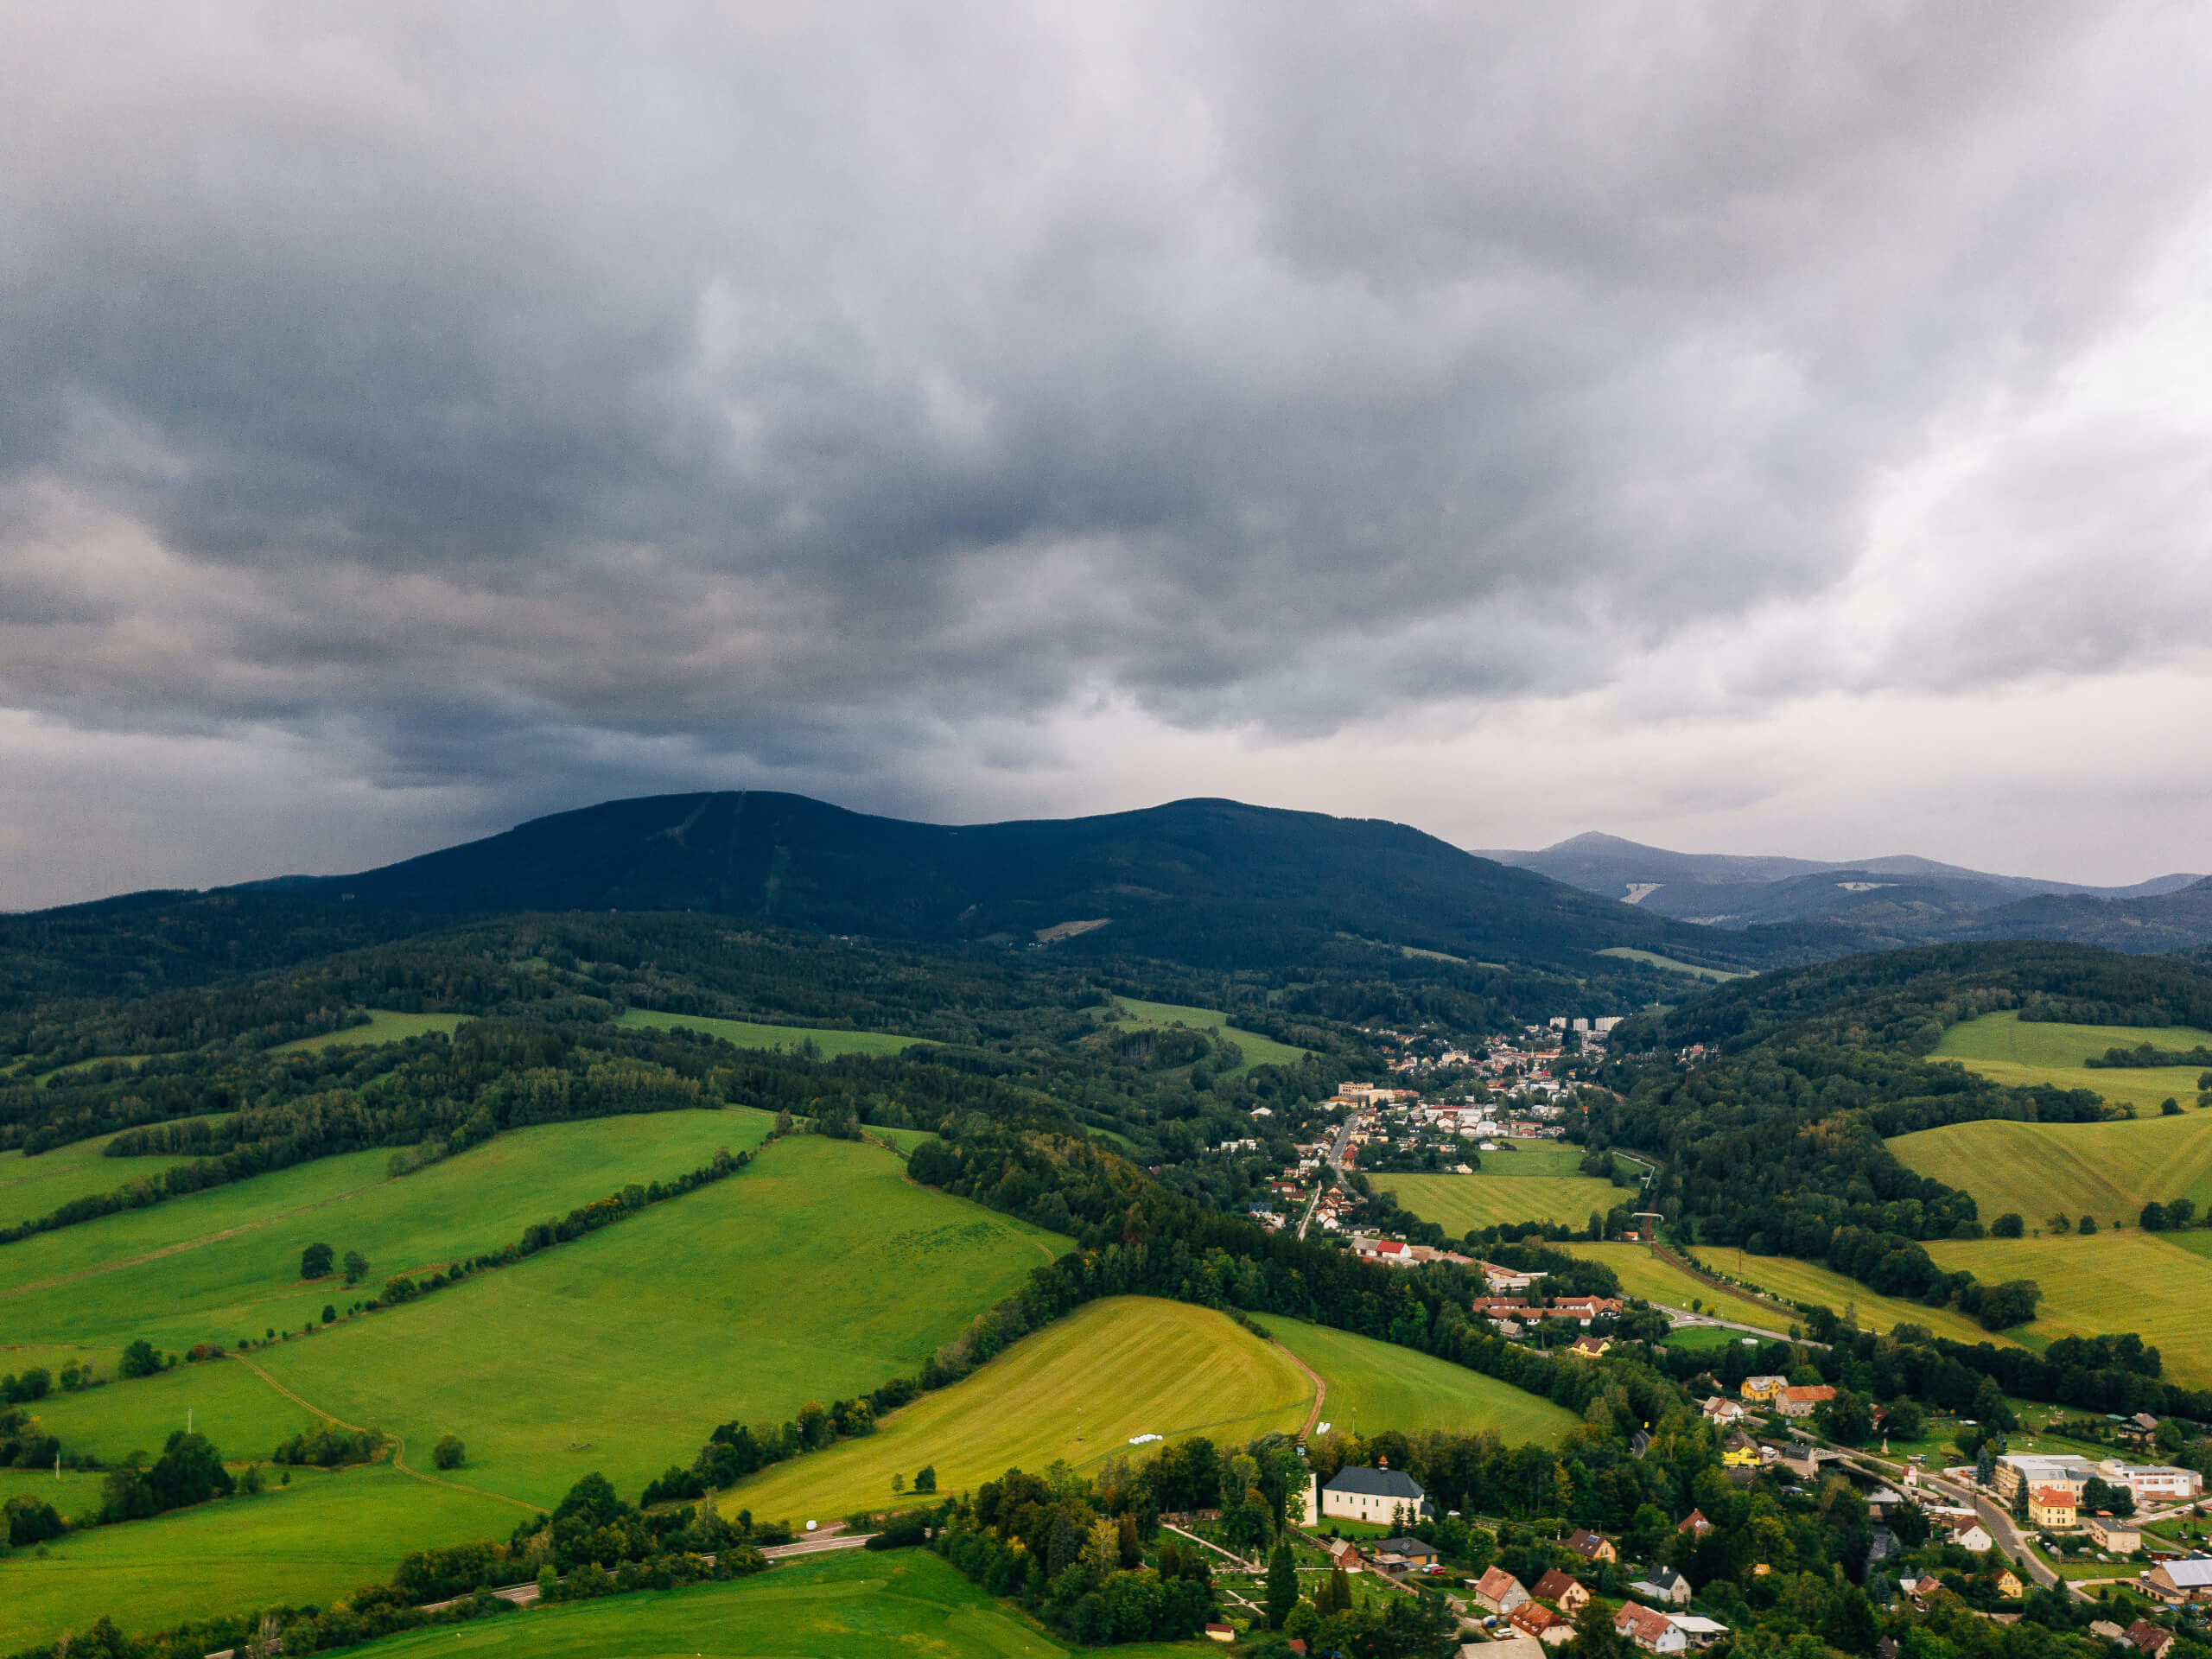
{"x": 2006, "y": 1049}
{"x": 223, "y": 1264}
{"x": 383, "y": 1027}
{"x": 31, "y": 1187}
{"x": 745, "y": 1033}
{"x": 1789, "y": 1279}
{"x": 2113, "y": 1281}
{"x": 2107, "y": 1170}
{"x": 1374, "y": 1385}
{"x": 1257, "y": 1050}
{"x": 1534, "y": 1181}
{"x": 1657, "y": 1282}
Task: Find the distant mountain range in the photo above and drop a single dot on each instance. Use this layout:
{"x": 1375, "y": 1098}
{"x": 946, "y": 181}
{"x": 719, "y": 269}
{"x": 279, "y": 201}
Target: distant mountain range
{"x": 1211, "y": 882}
{"x": 1872, "y": 903}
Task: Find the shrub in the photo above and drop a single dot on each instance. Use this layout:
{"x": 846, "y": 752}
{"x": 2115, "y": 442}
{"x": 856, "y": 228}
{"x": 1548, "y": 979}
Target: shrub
{"x": 449, "y": 1454}
{"x": 314, "y": 1261}
{"x": 140, "y": 1359}
{"x": 2008, "y": 1225}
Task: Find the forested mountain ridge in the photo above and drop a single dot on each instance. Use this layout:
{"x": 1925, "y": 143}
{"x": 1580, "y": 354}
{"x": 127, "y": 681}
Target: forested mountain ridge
{"x": 1214, "y": 882}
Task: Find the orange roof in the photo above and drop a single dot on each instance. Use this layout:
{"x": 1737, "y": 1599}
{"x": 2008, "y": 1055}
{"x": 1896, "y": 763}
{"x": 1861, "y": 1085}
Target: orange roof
{"x": 2055, "y": 1498}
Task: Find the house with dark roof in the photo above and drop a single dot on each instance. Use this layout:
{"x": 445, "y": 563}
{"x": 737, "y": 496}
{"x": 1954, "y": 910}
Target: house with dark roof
{"x": 2148, "y": 1639}
{"x": 1591, "y": 1548}
{"x": 1563, "y": 1589}
{"x": 1380, "y": 1496}
{"x": 1664, "y": 1584}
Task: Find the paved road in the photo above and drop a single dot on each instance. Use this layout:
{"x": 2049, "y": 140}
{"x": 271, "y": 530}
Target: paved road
{"x": 1334, "y": 1159}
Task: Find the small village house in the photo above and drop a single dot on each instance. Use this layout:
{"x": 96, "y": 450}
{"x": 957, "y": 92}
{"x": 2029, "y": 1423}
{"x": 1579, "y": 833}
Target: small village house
{"x": 1533, "y": 1619}
{"x": 1663, "y": 1585}
{"x": 2121, "y": 1537}
{"x": 2148, "y": 1639}
{"x": 1563, "y": 1589}
{"x": 1499, "y": 1591}
{"x": 1653, "y": 1632}
{"x": 1802, "y": 1401}
{"x": 1969, "y": 1534}
{"x": 1701, "y": 1632}
{"x": 1758, "y": 1390}
{"x": 1405, "y": 1552}
{"x": 1590, "y": 1547}
{"x": 2009, "y": 1585}
{"x": 1695, "y": 1524}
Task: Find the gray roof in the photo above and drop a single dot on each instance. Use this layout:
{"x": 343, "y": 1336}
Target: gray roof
{"x": 1405, "y": 1547}
{"x": 2190, "y": 1575}
{"x": 1376, "y": 1483}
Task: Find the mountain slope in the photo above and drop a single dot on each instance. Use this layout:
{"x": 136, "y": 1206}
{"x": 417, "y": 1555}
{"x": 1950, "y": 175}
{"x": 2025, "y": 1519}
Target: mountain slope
{"x": 1209, "y": 881}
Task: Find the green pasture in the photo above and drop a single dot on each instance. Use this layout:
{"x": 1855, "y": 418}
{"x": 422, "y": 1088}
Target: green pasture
{"x": 383, "y": 1027}
{"x": 816, "y": 1274}
{"x": 31, "y": 1187}
{"x": 1792, "y": 1280}
{"x": 223, "y": 1264}
{"x": 2109, "y": 1282}
{"x": 849, "y": 1605}
{"x": 1257, "y": 1049}
{"x": 744, "y": 1033}
{"x": 1124, "y": 1366}
{"x": 1705, "y": 1338}
{"x": 1661, "y": 1283}
{"x": 2107, "y": 1170}
{"x": 2006, "y": 1049}
{"x": 1500, "y": 1192}
{"x": 1375, "y": 1385}
{"x": 308, "y": 1542}
{"x": 242, "y": 1415}
{"x": 1670, "y": 964}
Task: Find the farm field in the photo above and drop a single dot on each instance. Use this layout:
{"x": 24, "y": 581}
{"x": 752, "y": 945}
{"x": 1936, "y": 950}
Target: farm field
{"x": 1535, "y": 1182}
{"x": 2131, "y": 1281}
{"x": 1130, "y": 1364}
{"x": 817, "y": 1272}
{"x": 1672, "y": 964}
{"x": 1644, "y": 1274}
{"x": 2001, "y": 1047}
{"x": 223, "y": 1264}
{"x": 1793, "y": 1280}
{"x": 310, "y": 1542}
{"x": 2107, "y": 1170}
{"x": 1375, "y": 1385}
{"x": 384, "y": 1026}
{"x": 852, "y": 1605}
{"x": 31, "y": 1187}
{"x": 242, "y": 1415}
{"x": 1257, "y": 1049}
{"x": 744, "y": 1033}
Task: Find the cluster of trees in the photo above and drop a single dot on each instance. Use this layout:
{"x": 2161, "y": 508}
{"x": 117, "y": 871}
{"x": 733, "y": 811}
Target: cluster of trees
{"x": 189, "y": 1471}
{"x": 2149, "y": 1055}
{"x": 23, "y": 1443}
{"x": 735, "y": 1450}
{"x": 328, "y": 1446}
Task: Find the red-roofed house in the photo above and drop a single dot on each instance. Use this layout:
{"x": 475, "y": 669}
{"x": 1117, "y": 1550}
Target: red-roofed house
{"x": 1653, "y": 1632}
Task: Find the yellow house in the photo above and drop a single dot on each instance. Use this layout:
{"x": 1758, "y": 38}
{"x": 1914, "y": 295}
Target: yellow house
{"x": 2052, "y": 1506}
{"x": 1742, "y": 1452}
{"x": 2008, "y": 1586}
{"x": 1761, "y": 1389}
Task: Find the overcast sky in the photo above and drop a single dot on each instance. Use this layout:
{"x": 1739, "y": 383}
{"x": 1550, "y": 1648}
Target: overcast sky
{"x": 1748, "y": 428}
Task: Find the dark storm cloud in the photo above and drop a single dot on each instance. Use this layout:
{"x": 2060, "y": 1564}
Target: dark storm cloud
{"x": 561, "y": 401}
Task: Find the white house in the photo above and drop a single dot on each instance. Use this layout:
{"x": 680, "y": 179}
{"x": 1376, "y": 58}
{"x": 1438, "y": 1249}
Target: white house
{"x": 1376, "y": 1494}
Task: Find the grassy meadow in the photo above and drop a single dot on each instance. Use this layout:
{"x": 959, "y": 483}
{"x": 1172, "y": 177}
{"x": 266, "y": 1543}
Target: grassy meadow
{"x": 1257, "y": 1049}
{"x": 2005, "y": 1049}
{"x": 851, "y": 1604}
{"x": 1130, "y": 1364}
{"x": 1661, "y": 1283}
{"x": 1534, "y": 1181}
{"x": 2107, "y": 1170}
{"x": 816, "y": 1274}
{"x": 1792, "y": 1280}
{"x": 1671, "y": 964}
{"x": 223, "y": 1264}
{"x": 221, "y": 1399}
{"x": 1375, "y": 1385}
{"x": 310, "y": 1542}
{"x": 745, "y": 1033}
{"x": 383, "y": 1027}
{"x": 2112, "y": 1281}
{"x": 31, "y": 1187}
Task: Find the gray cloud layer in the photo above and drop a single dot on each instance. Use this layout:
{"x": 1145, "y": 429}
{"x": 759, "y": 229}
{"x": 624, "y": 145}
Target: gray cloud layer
{"x": 509, "y": 405}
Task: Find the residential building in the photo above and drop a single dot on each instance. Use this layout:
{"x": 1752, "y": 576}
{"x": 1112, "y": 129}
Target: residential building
{"x": 1664, "y": 1584}
{"x": 2121, "y": 1537}
{"x": 2179, "y": 1581}
{"x": 1589, "y": 1347}
{"x": 2052, "y": 1506}
{"x": 2148, "y": 1639}
{"x": 2040, "y": 1469}
{"x": 1410, "y": 1552}
{"x": 1508, "y": 1643}
{"x": 2104, "y": 1628}
{"x": 1969, "y": 1534}
{"x": 2151, "y": 1483}
{"x": 1380, "y": 1495}
{"x": 2009, "y": 1585}
{"x": 1653, "y": 1632}
{"x": 1533, "y": 1619}
{"x": 1501, "y": 1279}
{"x": 1722, "y": 1410}
{"x": 1499, "y": 1591}
{"x": 1742, "y": 1452}
{"x": 1591, "y": 1548}
{"x": 1563, "y": 1589}
{"x": 1695, "y": 1524}
{"x": 1760, "y": 1389}
{"x": 1698, "y": 1631}
{"x": 1801, "y": 1402}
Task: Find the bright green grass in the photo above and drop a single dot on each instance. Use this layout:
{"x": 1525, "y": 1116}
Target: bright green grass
{"x": 1644, "y": 1274}
{"x": 1376, "y": 1385}
{"x": 852, "y": 1605}
{"x": 236, "y": 1274}
{"x": 1257, "y": 1049}
{"x": 311, "y": 1542}
{"x": 1792, "y": 1280}
{"x": 1671, "y": 964}
{"x": 817, "y": 1272}
{"x": 2107, "y": 1170}
{"x": 1552, "y": 1159}
{"x": 2003, "y": 1047}
{"x": 1130, "y": 1364}
{"x": 383, "y": 1027}
{"x": 744, "y": 1033}
{"x": 1460, "y": 1203}
{"x": 30, "y": 1187}
{"x": 243, "y": 1415}
{"x": 2112, "y": 1281}
{"x": 1705, "y": 1338}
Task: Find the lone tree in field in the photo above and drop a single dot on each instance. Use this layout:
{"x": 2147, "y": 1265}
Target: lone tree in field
{"x": 314, "y": 1261}
{"x": 357, "y": 1267}
{"x": 925, "y": 1478}
{"x": 449, "y": 1452}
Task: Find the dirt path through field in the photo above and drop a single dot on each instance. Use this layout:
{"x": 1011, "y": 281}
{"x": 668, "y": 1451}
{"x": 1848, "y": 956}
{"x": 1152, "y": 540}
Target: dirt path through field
{"x": 399, "y": 1442}
{"x": 1320, "y": 1390}
{"x": 181, "y": 1246}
